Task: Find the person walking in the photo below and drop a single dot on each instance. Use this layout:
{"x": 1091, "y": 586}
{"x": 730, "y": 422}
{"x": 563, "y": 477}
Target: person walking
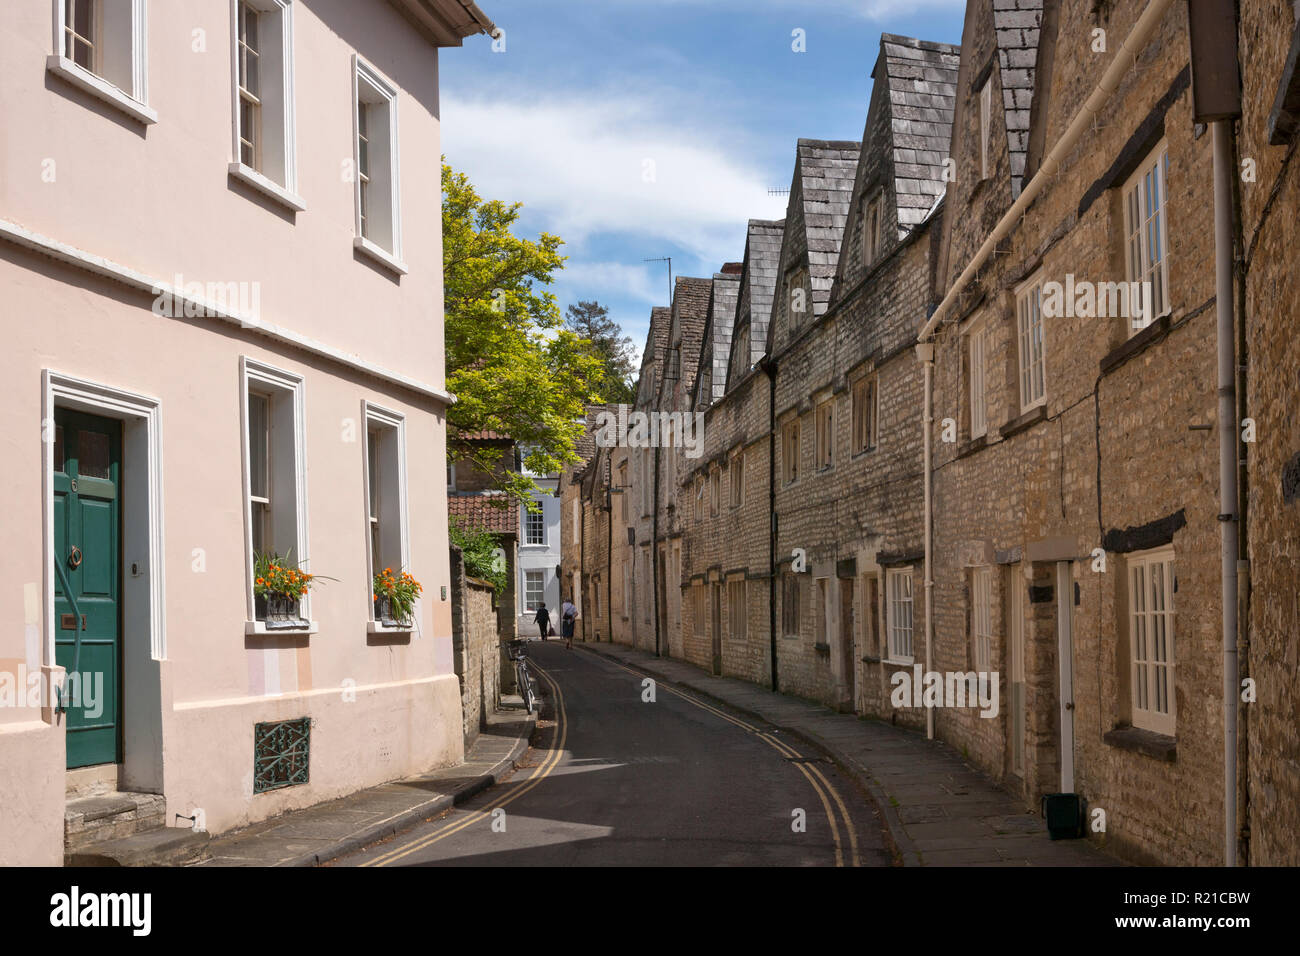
{"x": 568, "y": 614}
{"x": 543, "y": 621}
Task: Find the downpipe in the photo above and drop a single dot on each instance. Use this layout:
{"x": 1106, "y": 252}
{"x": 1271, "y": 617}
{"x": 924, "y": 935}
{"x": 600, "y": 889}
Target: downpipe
{"x": 925, "y": 353}
{"x": 1228, "y": 517}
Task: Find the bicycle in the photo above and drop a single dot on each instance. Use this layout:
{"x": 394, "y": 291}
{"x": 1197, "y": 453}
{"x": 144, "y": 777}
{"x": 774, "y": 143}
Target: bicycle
{"x": 523, "y": 677}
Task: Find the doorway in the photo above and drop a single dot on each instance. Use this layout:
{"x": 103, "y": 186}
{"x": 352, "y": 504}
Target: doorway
{"x": 88, "y": 582}
{"x": 848, "y": 649}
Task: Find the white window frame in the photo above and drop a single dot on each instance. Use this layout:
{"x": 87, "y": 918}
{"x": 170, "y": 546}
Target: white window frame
{"x": 977, "y": 349}
{"x": 278, "y": 176}
{"x": 986, "y": 118}
{"x": 393, "y": 426}
{"x": 1146, "y": 622}
{"x": 380, "y": 91}
{"x": 1029, "y": 305}
{"x": 865, "y": 414}
{"x": 531, "y": 607}
{"x": 900, "y": 614}
{"x": 982, "y": 619}
{"x": 790, "y": 452}
{"x": 533, "y": 518}
{"x": 1138, "y": 253}
{"x": 289, "y": 386}
{"x": 134, "y": 101}
{"x": 824, "y": 423}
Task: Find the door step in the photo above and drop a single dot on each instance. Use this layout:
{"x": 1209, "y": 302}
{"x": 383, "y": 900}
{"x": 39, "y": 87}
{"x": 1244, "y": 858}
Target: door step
{"x": 165, "y": 846}
{"x": 109, "y": 816}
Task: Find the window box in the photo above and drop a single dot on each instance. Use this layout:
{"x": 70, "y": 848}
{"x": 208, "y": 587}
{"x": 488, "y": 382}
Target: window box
{"x": 278, "y": 611}
{"x": 386, "y": 617}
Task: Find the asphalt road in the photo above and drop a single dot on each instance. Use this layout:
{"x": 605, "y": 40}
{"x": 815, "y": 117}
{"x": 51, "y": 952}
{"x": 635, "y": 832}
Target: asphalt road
{"x": 615, "y": 780}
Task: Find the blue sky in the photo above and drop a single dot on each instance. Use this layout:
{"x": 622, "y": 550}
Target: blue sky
{"x": 636, "y": 129}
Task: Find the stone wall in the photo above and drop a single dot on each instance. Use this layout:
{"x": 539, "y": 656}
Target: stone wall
{"x": 476, "y": 648}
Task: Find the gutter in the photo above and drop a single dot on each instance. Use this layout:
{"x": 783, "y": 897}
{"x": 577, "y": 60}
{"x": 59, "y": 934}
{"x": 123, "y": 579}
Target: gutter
{"x": 481, "y": 18}
{"x": 769, "y": 365}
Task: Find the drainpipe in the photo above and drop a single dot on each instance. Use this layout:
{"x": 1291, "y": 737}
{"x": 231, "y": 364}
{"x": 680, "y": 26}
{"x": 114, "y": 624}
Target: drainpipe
{"x": 925, "y": 353}
{"x": 1228, "y": 518}
{"x": 609, "y": 548}
{"x": 769, "y": 367}
{"x": 654, "y": 550}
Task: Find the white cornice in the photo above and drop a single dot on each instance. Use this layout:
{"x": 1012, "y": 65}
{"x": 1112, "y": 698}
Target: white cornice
{"x": 100, "y": 266}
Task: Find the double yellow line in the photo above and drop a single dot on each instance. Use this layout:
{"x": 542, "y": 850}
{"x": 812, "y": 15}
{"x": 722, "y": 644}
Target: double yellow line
{"x": 517, "y": 790}
{"x": 824, "y": 789}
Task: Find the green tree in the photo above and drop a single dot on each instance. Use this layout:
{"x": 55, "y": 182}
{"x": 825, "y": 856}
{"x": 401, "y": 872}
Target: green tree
{"x": 511, "y": 362}
{"x": 479, "y": 549}
{"x": 591, "y": 322}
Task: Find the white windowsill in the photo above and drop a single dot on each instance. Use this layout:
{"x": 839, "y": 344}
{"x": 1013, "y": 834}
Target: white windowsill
{"x": 376, "y": 627}
{"x": 897, "y": 662}
{"x": 382, "y": 256}
{"x": 100, "y": 88}
{"x": 259, "y": 628}
{"x": 268, "y": 187}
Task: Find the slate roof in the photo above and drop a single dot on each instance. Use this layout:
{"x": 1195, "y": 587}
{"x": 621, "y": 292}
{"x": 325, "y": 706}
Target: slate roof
{"x": 827, "y": 169}
{"x": 485, "y": 512}
{"x": 690, "y": 314}
{"x": 1016, "y": 23}
{"x": 723, "y": 299}
{"x": 762, "y": 263}
{"x": 922, "y": 80}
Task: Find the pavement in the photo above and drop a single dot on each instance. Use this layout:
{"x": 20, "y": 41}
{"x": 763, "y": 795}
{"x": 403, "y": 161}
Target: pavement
{"x": 938, "y": 810}
{"x": 319, "y": 833}
{"x": 616, "y": 779}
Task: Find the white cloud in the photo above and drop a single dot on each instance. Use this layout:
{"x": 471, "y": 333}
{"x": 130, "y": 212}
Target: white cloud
{"x": 592, "y": 280}
{"x": 617, "y": 165}
{"x": 876, "y": 10}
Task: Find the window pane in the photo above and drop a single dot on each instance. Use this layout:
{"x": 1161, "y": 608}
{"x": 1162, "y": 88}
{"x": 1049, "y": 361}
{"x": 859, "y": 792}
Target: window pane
{"x": 372, "y": 464}
{"x": 258, "y": 436}
{"x": 92, "y": 455}
{"x": 59, "y": 450}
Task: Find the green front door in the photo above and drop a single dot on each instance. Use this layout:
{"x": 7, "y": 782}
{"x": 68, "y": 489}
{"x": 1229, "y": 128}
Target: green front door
{"x": 87, "y": 512}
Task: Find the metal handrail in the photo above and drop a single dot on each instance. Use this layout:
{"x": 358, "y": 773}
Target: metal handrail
{"x": 76, "y": 647}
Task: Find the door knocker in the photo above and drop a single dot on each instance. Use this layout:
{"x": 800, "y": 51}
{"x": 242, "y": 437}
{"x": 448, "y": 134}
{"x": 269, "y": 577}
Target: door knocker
{"x": 74, "y": 557}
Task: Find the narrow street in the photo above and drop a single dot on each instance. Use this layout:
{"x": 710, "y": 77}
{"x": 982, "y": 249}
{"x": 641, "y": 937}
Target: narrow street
{"x": 615, "y": 780}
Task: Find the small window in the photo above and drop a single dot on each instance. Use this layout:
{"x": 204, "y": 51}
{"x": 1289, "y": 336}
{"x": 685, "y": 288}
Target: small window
{"x": 982, "y": 618}
{"x": 899, "y": 614}
{"x": 737, "y": 479}
{"x": 986, "y": 117}
{"x": 790, "y": 452}
{"x": 101, "y": 50}
{"x": 377, "y": 168}
{"x": 1029, "y": 323}
{"x": 1151, "y": 639}
{"x": 790, "y": 604}
{"x": 715, "y": 490}
{"x": 825, "y": 435}
{"x": 1146, "y": 256}
{"x": 872, "y": 215}
{"x": 534, "y": 589}
{"x": 276, "y": 477}
{"x": 798, "y": 296}
{"x": 866, "y": 406}
{"x": 824, "y": 597}
{"x": 978, "y": 405}
{"x": 699, "y": 498}
{"x": 386, "y": 506}
{"x": 451, "y": 476}
{"x": 534, "y": 525}
{"x": 737, "y": 612}
{"x": 622, "y": 483}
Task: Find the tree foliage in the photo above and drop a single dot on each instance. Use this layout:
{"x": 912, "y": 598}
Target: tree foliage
{"x": 513, "y": 365}
{"x": 479, "y": 549}
{"x": 591, "y": 322}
